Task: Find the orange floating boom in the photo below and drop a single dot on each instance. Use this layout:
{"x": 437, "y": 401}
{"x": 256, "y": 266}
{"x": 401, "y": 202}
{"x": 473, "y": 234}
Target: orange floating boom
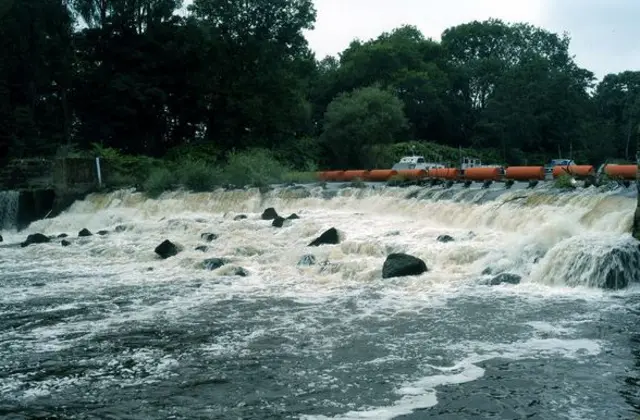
{"x": 444, "y": 173}
{"x": 380, "y": 175}
{"x": 626, "y": 172}
{"x": 330, "y": 176}
{"x": 525, "y": 173}
{"x": 353, "y": 175}
{"x": 578, "y": 171}
{"x": 412, "y": 174}
{"x": 482, "y": 174}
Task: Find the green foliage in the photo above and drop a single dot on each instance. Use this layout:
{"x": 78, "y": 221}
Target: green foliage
{"x": 198, "y": 176}
{"x": 256, "y": 167}
{"x": 359, "y": 120}
{"x": 564, "y": 181}
{"x": 159, "y": 181}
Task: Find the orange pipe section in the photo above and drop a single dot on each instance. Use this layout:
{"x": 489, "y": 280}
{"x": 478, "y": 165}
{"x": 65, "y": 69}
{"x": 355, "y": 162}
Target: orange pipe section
{"x": 574, "y": 170}
{"x": 621, "y": 171}
{"x": 525, "y": 173}
{"x": 412, "y": 173}
{"x": 444, "y": 173}
{"x": 330, "y": 176}
{"x": 353, "y": 175}
{"x": 380, "y": 175}
{"x": 482, "y": 174}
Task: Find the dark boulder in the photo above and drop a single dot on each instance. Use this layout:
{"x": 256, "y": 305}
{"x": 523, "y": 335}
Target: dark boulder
{"x": 241, "y": 272}
{"x": 1, "y": 238}
{"x": 445, "y": 238}
{"x": 307, "y": 260}
{"x": 84, "y": 232}
{"x": 167, "y": 249}
{"x": 62, "y": 235}
{"x": 328, "y": 237}
{"x": 278, "y": 222}
{"x": 505, "y": 278}
{"x": 103, "y": 232}
{"x": 202, "y": 248}
{"x": 240, "y": 217}
{"x": 209, "y": 236}
{"x": 400, "y": 265}
{"x": 36, "y": 238}
{"x": 213, "y": 263}
{"x": 65, "y": 243}
{"x": 120, "y": 228}
{"x": 269, "y": 214}
{"x": 293, "y": 216}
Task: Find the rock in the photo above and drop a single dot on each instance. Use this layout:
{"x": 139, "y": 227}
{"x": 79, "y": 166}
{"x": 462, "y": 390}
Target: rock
{"x": 103, "y": 232}
{"x": 202, "y": 248}
{"x": 120, "y": 228}
{"x": 400, "y": 265}
{"x": 65, "y": 243}
{"x": 278, "y": 222}
{"x": 1, "y": 238}
{"x": 84, "y": 232}
{"x": 240, "y": 217}
{"x": 167, "y": 249}
{"x": 487, "y": 271}
{"x": 507, "y": 278}
{"x": 213, "y": 263}
{"x": 62, "y": 235}
{"x": 269, "y": 214}
{"x": 445, "y": 238}
{"x": 36, "y": 238}
{"x": 307, "y": 260}
{"x": 209, "y": 237}
{"x": 293, "y": 216}
{"x": 239, "y": 271}
{"x": 328, "y": 237}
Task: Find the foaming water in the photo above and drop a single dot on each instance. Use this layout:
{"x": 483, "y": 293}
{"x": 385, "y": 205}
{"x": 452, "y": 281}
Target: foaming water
{"x": 106, "y": 329}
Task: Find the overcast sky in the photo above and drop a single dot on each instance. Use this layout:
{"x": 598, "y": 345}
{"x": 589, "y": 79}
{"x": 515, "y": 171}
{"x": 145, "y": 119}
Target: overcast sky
{"x": 605, "y": 34}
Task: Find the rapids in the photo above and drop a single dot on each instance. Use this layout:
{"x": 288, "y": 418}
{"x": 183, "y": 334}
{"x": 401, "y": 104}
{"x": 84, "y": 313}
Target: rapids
{"x": 104, "y": 329}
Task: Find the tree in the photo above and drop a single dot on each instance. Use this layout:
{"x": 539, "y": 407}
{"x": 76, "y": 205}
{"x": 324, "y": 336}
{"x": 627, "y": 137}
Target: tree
{"x": 356, "y": 121}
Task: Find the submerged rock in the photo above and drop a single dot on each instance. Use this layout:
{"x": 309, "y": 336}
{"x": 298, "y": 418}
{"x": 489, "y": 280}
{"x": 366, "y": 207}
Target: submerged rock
{"x": 65, "y": 243}
{"x": 328, "y": 237}
{"x": 445, "y": 238}
{"x": 103, "y": 232}
{"x": 241, "y": 272}
{"x": 307, "y": 260}
{"x": 202, "y": 248}
{"x": 293, "y": 216}
{"x": 167, "y": 249}
{"x": 505, "y": 278}
{"x": 209, "y": 236}
{"x": 213, "y": 263}
{"x": 84, "y": 232}
{"x": 36, "y": 238}
{"x": 278, "y": 222}
{"x": 120, "y": 228}
{"x": 240, "y": 217}
{"x": 400, "y": 265}
{"x": 62, "y": 235}
{"x": 269, "y": 214}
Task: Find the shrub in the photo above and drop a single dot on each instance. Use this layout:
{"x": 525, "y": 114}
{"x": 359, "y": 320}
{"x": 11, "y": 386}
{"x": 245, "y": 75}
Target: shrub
{"x": 564, "y": 181}
{"x": 257, "y": 167}
{"x": 159, "y": 181}
{"x": 199, "y": 176}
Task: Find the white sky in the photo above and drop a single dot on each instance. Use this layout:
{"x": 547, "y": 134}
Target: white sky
{"x": 605, "y": 33}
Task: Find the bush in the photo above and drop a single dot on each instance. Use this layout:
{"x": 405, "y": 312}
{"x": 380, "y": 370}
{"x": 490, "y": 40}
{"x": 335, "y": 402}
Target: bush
{"x": 257, "y": 167}
{"x": 159, "y": 181}
{"x": 199, "y": 176}
{"x": 564, "y": 181}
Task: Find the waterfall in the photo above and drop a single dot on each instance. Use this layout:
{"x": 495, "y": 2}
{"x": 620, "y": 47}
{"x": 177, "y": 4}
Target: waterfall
{"x": 9, "y": 209}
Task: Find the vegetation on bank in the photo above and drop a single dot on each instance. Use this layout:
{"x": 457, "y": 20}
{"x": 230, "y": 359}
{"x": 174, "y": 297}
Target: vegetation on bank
{"x": 214, "y": 82}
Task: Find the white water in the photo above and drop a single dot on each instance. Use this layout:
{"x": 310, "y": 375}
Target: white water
{"x": 553, "y": 241}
